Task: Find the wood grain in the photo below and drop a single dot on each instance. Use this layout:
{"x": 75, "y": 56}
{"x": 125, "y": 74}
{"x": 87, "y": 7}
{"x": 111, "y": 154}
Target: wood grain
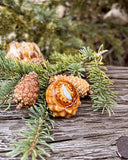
{"x": 88, "y": 135}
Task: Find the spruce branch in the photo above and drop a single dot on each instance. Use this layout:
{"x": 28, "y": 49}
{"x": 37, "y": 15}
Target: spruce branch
{"x": 103, "y": 92}
{"x": 9, "y": 66}
{"x": 76, "y": 69}
{"x": 35, "y": 137}
{"x": 6, "y": 90}
{"x": 66, "y": 59}
{"x": 40, "y": 121}
{"x": 62, "y": 63}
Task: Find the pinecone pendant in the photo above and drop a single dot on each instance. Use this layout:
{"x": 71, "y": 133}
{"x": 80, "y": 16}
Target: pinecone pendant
{"x": 81, "y": 84}
{"x": 62, "y": 98}
{"x": 26, "y": 91}
{"x": 24, "y": 52}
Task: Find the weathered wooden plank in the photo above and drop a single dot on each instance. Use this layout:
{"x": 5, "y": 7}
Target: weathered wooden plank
{"x": 117, "y": 72}
{"x": 86, "y": 124}
{"x": 12, "y": 113}
{"x": 86, "y": 148}
{"x": 90, "y": 148}
{"x": 117, "y": 68}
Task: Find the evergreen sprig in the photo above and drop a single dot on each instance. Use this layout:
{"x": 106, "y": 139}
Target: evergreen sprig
{"x": 65, "y": 58}
{"x": 34, "y": 143}
{"x": 7, "y": 88}
{"x": 103, "y": 94}
{"x": 64, "y": 62}
{"x": 10, "y": 67}
{"x": 76, "y": 69}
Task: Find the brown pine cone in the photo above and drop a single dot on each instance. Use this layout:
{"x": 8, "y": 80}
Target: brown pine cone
{"x": 26, "y": 91}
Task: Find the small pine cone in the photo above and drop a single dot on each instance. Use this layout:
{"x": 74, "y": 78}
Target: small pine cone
{"x": 26, "y": 91}
{"x": 38, "y": 61}
{"x": 81, "y": 84}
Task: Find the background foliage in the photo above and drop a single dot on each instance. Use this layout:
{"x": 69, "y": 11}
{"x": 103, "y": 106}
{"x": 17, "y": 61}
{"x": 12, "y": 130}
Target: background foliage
{"x": 82, "y": 24}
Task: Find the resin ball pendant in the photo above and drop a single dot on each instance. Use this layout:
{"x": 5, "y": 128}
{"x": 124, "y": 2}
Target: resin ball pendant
{"x": 23, "y": 51}
{"x": 62, "y": 98}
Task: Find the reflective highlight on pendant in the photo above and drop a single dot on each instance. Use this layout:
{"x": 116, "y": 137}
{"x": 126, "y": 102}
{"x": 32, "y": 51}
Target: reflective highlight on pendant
{"x": 66, "y": 93}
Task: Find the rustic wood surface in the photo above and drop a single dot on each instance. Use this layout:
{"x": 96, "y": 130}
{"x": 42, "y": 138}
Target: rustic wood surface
{"x": 87, "y": 136}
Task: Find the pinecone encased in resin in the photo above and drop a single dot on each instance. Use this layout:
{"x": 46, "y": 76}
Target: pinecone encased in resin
{"x": 62, "y": 98}
{"x": 23, "y": 51}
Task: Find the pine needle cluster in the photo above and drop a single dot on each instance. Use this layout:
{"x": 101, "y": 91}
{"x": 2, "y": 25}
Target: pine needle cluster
{"x": 35, "y": 138}
{"x": 103, "y": 94}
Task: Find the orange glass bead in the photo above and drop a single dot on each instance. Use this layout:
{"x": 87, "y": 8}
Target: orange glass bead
{"x": 62, "y": 98}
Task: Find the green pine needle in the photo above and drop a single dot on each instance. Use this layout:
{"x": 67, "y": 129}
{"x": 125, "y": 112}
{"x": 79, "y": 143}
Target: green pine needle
{"x": 103, "y": 93}
{"x": 38, "y": 130}
{"x": 76, "y": 69}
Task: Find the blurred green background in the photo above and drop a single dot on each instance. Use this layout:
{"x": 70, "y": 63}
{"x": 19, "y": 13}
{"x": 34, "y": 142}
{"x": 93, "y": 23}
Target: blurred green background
{"x": 64, "y": 26}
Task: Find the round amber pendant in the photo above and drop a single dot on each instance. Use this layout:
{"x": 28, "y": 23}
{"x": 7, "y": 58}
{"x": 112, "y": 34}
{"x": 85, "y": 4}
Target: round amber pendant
{"x": 62, "y": 98}
{"x": 23, "y": 51}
